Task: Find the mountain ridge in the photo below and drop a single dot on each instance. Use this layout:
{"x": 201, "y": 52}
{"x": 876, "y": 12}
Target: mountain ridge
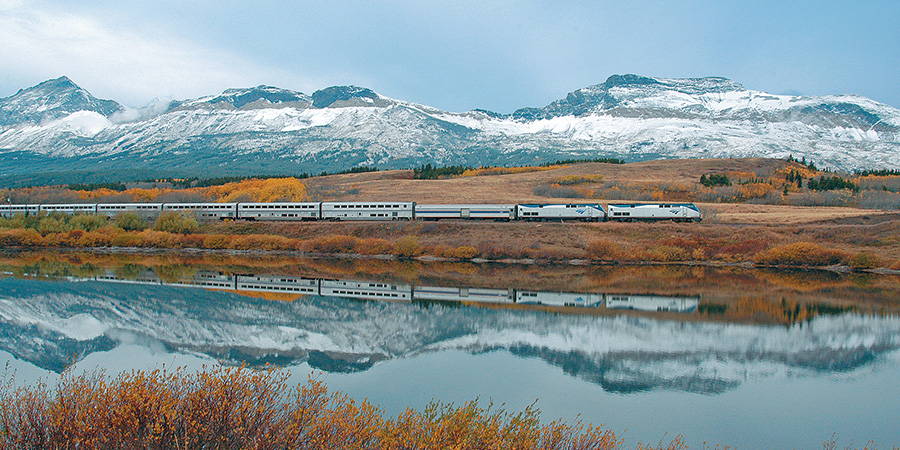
{"x": 58, "y": 126}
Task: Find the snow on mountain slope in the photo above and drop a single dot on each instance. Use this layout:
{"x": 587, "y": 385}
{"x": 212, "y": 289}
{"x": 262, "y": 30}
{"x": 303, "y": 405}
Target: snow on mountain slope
{"x": 628, "y": 116}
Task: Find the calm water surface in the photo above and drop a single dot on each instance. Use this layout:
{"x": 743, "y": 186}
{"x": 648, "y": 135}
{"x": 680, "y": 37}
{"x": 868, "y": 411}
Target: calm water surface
{"x": 723, "y": 356}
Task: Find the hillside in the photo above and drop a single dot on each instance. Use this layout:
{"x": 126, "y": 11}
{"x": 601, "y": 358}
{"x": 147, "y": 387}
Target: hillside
{"x": 520, "y": 188}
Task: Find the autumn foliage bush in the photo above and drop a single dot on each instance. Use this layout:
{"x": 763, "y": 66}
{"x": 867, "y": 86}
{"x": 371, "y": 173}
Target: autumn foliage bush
{"x": 799, "y": 254}
{"x": 235, "y": 407}
{"x": 408, "y": 247}
{"x": 373, "y": 246}
{"x": 332, "y": 244}
{"x": 603, "y": 249}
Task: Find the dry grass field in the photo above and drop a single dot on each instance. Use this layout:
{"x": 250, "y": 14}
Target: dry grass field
{"x": 518, "y": 188}
{"x": 730, "y": 232}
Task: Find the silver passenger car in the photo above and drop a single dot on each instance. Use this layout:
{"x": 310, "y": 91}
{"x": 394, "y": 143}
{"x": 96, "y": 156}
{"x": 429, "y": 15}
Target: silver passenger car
{"x": 466, "y": 211}
{"x": 204, "y": 211}
{"x": 71, "y": 208}
{"x": 9, "y": 210}
{"x": 367, "y": 210}
{"x": 287, "y": 211}
{"x": 145, "y": 210}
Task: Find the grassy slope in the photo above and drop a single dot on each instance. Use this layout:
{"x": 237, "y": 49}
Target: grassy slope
{"x": 517, "y": 188}
{"x": 847, "y": 229}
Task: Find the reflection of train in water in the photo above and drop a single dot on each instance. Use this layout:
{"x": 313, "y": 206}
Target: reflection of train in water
{"x": 377, "y": 290}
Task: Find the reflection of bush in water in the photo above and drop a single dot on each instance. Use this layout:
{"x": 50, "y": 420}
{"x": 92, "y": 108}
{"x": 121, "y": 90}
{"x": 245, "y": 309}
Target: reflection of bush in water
{"x": 174, "y": 273}
{"x": 802, "y": 280}
{"x": 55, "y": 268}
{"x": 760, "y": 310}
{"x": 712, "y": 308}
{"x": 129, "y": 271}
{"x": 864, "y": 280}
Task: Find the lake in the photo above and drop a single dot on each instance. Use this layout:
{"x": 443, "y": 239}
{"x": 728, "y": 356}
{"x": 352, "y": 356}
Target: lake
{"x": 721, "y": 355}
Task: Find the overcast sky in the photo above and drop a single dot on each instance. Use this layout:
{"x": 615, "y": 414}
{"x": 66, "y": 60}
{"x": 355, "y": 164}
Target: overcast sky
{"x": 455, "y": 55}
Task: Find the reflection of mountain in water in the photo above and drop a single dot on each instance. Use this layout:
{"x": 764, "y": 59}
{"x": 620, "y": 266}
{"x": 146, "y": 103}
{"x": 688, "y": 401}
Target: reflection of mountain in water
{"x": 47, "y": 323}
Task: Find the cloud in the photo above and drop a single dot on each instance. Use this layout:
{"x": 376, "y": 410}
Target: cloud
{"x": 113, "y": 62}
{"x": 155, "y": 108}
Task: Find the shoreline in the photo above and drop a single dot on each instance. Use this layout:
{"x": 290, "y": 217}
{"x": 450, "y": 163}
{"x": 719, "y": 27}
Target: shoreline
{"x": 113, "y": 251}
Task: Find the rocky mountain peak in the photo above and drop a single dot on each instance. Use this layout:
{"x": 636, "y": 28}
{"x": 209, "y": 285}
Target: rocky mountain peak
{"x": 253, "y": 98}
{"x": 629, "y": 80}
{"x": 342, "y": 96}
{"x": 51, "y": 100}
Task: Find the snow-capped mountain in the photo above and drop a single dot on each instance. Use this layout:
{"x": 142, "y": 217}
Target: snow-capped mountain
{"x": 51, "y": 101}
{"x": 47, "y": 323}
{"x": 57, "y": 126}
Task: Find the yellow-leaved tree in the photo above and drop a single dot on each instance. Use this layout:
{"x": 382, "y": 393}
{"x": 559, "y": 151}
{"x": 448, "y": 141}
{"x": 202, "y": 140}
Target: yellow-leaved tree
{"x": 254, "y": 190}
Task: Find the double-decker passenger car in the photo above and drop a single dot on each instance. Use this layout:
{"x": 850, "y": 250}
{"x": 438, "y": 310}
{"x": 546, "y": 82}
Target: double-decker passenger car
{"x": 204, "y": 211}
{"x": 8, "y": 210}
{"x": 678, "y": 212}
{"x": 367, "y": 210}
{"x": 287, "y": 211}
{"x": 560, "y": 212}
{"x": 71, "y": 208}
{"x": 466, "y": 211}
{"x": 145, "y": 210}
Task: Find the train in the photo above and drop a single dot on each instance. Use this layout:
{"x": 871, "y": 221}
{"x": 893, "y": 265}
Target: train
{"x": 379, "y": 211}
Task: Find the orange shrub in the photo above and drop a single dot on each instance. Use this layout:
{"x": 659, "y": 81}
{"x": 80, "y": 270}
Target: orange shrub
{"x": 754, "y": 190}
{"x": 235, "y": 407}
{"x": 190, "y": 240}
{"x": 156, "y": 239}
{"x": 373, "y": 246}
{"x": 602, "y": 249}
{"x": 483, "y": 171}
{"x": 125, "y": 240}
{"x": 408, "y": 247}
{"x": 93, "y": 239}
{"x": 332, "y": 244}
{"x": 217, "y": 241}
{"x": 666, "y": 253}
{"x": 262, "y": 242}
{"x": 462, "y": 252}
{"x": 863, "y": 261}
{"x": 18, "y": 237}
{"x": 70, "y": 238}
{"x": 799, "y": 254}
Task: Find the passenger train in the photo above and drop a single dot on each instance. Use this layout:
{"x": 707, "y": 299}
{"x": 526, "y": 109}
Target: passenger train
{"x": 378, "y": 211}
